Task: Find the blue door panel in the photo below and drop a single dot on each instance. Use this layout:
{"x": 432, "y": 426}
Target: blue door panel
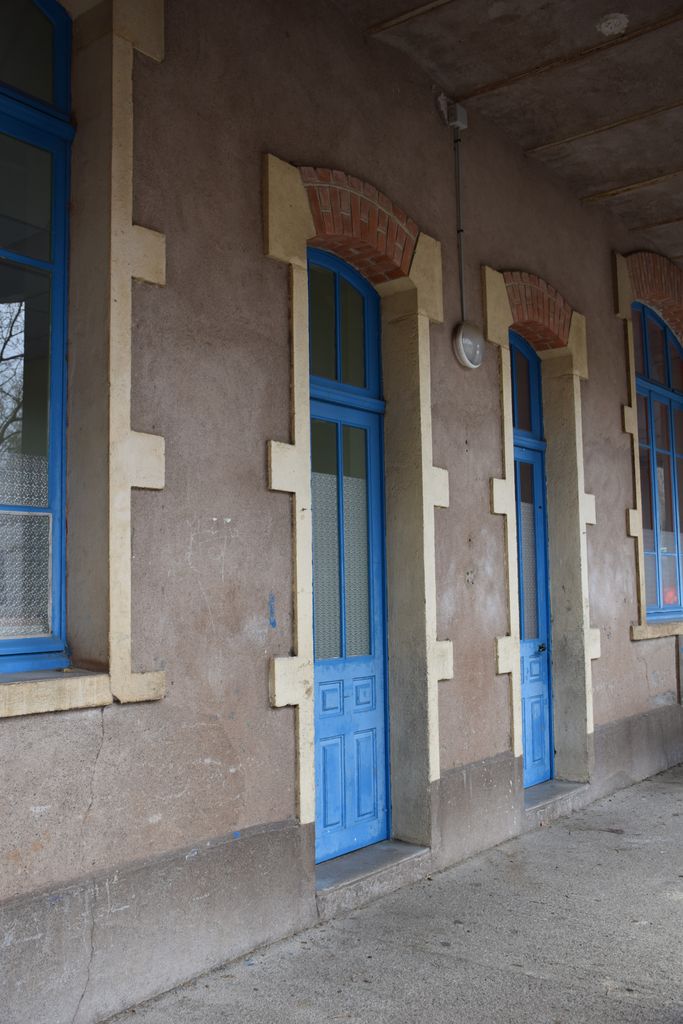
{"x": 351, "y": 754}
{"x": 350, "y": 691}
{"x": 332, "y": 782}
{"x": 366, "y": 774}
{"x": 534, "y": 617}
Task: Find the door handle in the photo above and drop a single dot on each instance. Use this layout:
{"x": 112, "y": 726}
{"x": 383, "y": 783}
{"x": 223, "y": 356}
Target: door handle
{"x": 541, "y": 648}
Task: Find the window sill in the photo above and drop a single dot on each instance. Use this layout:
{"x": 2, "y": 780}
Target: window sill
{"x": 32, "y": 693}
{"x": 654, "y": 630}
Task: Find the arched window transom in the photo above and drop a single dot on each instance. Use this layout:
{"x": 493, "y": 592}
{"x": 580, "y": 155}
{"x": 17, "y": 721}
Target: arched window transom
{"x": 344, "y": 315}
{"x": 527, "y": 416}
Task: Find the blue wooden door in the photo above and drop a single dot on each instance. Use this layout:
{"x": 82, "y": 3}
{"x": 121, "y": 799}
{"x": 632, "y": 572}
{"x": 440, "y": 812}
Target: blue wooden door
{"x": 532, "y": 557}
{"x": 351, "y": 750}
{"x": 533, "y": 605}
{"x": 348, "y": 582}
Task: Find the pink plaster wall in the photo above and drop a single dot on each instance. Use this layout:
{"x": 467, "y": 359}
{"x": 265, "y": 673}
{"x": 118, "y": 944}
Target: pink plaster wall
{"x": 211, "y": 374}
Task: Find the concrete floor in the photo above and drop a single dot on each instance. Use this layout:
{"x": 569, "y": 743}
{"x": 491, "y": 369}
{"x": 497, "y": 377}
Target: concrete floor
{"x": 581, "y": 921}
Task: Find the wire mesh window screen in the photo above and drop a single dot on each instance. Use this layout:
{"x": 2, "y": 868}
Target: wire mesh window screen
{"x": 356, "y": 546}
{"x": 528, "y": 567}
{"x": 25, "y": 541}
{"x": 326, "y": 563}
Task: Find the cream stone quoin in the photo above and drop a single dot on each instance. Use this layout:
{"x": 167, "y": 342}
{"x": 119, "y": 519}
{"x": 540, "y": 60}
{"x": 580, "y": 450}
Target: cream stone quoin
{"x": 657, "y": 282}
{"x": 526, "y": 304}
{"x": 414, "y": 487}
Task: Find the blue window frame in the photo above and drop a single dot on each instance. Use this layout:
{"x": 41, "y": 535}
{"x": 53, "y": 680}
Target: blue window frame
{"x": 35, "y": 136}
{"x": 658, "y": 358}
{"x": 349, "y": 603}
{"x": 527, "y": 403}
{"x": 343, "y": 367}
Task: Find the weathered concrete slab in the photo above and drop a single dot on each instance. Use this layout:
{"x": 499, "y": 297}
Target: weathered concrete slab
{"x": 151, "y": 924}
{"x": 578, "y": 921}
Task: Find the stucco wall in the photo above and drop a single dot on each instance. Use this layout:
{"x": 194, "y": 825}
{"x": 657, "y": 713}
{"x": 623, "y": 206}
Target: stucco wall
{"x": 212, "y": 552}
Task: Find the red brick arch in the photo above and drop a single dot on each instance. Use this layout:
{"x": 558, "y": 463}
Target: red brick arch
{"x": 540, "y": 314}
{"x": 360, "y": 224}
{"x": 658, "y": 283}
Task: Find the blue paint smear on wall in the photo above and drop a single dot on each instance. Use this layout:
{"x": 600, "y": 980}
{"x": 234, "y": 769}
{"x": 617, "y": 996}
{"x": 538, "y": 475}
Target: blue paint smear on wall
{"x": 271, "y": 611}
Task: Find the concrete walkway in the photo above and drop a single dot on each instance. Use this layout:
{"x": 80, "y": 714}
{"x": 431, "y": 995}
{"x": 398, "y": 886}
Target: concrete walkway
{"x": 581, "y": 921}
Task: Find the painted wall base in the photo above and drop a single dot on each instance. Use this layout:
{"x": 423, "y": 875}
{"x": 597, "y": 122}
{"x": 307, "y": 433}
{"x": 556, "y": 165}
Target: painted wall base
{"x": 78, "y": 954}
{"x": 477, "y": 806}
{"x": 634, "y": 748}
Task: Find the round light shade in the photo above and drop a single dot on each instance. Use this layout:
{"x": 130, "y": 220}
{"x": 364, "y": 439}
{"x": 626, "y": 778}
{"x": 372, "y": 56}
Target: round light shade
{"x": 468, "y": 345}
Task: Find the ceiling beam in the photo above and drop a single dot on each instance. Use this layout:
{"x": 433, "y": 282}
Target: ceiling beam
{"x": 621, "y": 190}
{"x": 658, "y": 224}
{"x": 633, "y": 119}
{"x": 400, "y": 19}
{"x": 571, "y": 58}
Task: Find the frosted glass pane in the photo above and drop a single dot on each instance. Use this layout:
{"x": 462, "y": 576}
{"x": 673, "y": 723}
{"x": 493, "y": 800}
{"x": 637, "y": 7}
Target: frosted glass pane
{"x": 669, "y": 582}
{"x": 356, "y": 549}
{"x": 25, "y": 198}
{"x": 326, "y": 582}
{"x": 352, "y": 335}
{"x": 322, "y": 323}
{"x": 24, "y": 574}
{"x": 26, "y": 48}
{"x": 24, "y": 385}
{"x": 527, "y": 533}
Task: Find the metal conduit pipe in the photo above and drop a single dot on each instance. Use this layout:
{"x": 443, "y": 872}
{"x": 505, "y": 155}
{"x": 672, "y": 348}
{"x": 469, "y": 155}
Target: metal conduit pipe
{"x": 468, "y": 339}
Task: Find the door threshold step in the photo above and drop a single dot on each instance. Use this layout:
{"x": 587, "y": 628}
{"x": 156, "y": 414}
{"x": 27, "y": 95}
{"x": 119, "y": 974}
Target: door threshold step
{"x": 357, "y": 878}
{"x": 552, "y": 800}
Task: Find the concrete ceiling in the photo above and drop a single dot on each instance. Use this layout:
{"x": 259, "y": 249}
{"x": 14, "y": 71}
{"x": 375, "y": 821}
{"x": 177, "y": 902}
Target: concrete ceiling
{"x": 601, "y": 103}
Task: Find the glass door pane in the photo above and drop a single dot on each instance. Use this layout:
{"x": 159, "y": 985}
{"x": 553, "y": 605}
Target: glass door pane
{"x": 326, "y": 540}
{"x": 356, "y": 546}
{"x": 527, "y": 543}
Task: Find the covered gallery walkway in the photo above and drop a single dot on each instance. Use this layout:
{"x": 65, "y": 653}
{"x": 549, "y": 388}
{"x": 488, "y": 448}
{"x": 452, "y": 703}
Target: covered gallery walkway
{"x": 577, "y": 921}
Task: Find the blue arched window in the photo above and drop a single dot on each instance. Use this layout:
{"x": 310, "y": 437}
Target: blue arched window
{"x": 659, "y": 385}
{"x": 35, "y": 134}
{"x": 527, "y": 417}
{"x": 344, "y": 310}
